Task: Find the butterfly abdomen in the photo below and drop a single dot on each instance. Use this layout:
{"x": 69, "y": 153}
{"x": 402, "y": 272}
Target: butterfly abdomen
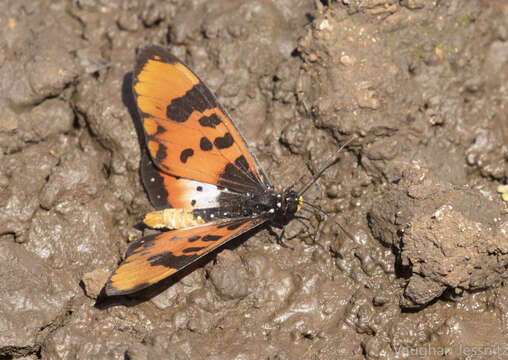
{"x": 172, "y": 219}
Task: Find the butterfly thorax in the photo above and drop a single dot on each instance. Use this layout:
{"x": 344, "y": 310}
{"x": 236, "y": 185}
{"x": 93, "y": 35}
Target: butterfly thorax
{"x": 288, "y": 203}
{"x": 273, "y": 205}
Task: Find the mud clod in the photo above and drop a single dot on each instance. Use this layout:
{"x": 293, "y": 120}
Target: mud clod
{"x": 446, "y": 236}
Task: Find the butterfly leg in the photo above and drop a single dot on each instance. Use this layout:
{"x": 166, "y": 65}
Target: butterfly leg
{"x": 280, "y": 240}
{"x": 301, "y": 219}
{"x": 280, "y": 237}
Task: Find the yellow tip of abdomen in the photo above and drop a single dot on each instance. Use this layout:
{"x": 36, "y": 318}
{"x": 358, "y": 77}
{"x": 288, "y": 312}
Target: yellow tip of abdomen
{"x": 154, "y": 219}
{"x": 172, "y": 219}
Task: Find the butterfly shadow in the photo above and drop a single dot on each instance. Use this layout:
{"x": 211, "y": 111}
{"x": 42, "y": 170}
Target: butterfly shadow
{"x": 104, "y": 301}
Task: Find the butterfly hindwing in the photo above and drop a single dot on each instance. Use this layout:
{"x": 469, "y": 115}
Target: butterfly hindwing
{"x": 188, "y": 134}
{"x": 156, "y": 257}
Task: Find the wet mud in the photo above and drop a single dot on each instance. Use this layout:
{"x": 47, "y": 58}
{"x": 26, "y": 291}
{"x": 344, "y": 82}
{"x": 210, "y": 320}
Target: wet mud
{"x": 420, "y": 85}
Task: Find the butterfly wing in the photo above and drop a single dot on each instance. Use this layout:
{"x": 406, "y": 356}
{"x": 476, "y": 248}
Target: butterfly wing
{"x": 188, "y": 134}
{"x": 156, "y": 257}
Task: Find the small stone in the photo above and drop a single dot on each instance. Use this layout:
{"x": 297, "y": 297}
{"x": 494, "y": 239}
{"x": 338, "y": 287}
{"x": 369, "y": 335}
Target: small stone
{"x": 422, "y": 290}
{"x": 413, "y": 4}
{"x": 366, "y": 97}
{"x": 94, "y": 281}
{"x": 347, "y": 60}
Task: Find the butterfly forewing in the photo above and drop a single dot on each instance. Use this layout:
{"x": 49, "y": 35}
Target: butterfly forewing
{"x": 188, "y": 134}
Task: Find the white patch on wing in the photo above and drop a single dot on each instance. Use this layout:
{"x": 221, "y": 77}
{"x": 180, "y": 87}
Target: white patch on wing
{"x": 204, "y": 195}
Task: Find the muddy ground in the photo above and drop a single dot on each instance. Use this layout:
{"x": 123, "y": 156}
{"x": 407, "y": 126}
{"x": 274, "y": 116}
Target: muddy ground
{"x": 421, "y": 85}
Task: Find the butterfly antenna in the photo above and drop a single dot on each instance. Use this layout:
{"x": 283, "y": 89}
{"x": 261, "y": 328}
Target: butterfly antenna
{"x": 317, "y": 208}
{"x": 329, "y": 163}
{"x": 348, "y": 234}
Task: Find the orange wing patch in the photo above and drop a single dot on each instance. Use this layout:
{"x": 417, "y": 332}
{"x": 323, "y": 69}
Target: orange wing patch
{"x": 159, "y": 256}
{"x": 188, "y": 134}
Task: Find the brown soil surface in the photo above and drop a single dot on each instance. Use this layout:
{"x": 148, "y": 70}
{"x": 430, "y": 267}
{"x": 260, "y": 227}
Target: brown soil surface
{"x": 422, "y": 85}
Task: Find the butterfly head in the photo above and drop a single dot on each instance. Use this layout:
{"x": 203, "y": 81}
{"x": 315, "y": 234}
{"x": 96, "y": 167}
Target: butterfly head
{"x": 290, "y": 202}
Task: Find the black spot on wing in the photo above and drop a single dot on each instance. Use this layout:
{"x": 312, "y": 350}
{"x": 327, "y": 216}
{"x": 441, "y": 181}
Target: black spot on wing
{"x": 194, "y": 238}
{"x": 170, "y": 261}
{"x": 160, "y": 130}
{"x": 234, "y": 226}
{"x": 224, "y": 142}
{"x": 209, "y": 121}
{"x": 242, "y": 162}
{"x": 180, "y": 108}
{"x": 205, "y": 144}
{"x": 161, "y": 153}
{"x": 176, "y": 112}
{"x": 186, "y": 154}
{"x": 211, "y": 237}
{"x": 193, "y": 249}
{"x": 236, "y": 174}
{"x": 141, "y": 245}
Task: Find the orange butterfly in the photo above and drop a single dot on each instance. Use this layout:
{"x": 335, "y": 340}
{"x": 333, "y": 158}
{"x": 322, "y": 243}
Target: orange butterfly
{"x": 198, "y": 173}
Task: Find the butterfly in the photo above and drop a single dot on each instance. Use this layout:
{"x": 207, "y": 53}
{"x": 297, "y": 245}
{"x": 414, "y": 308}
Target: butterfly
{"x": 205, "y": 185}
